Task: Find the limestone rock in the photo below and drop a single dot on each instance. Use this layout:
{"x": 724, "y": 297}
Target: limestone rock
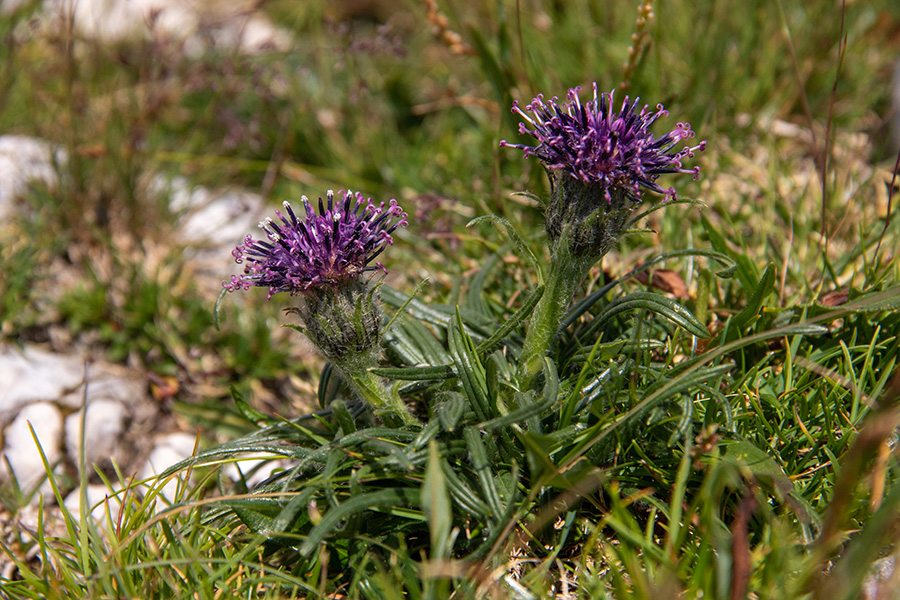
{"x": 33, "y": 375}
{"x": 23, "y": 161}
{"x": 230, "y": 25}
{"x": 20, "y": 449}
{"x": 169, "y": 450}
{"x": 104, "y": 423}
{"x": 99, "y": 499}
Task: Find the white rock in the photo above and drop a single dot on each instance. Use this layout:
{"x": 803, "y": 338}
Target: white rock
{"x": 169, "y": 449}
{"x": 251, "y": 34}
{"x": 880, "y": 583}
{"x": 23, "y": 161}
{"x": 100, "y": 501}
{"x": 104, "y": 424}
{"x": 230, "y": 25}
{"x": 32, "y": 375}
{"x": 20, "y": 449}
{"x": 211, "y": 218}
{"x": 115, "y": 20}
{"x": 107, "y": 382}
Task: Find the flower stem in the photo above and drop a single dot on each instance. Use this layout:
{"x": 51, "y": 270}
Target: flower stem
{"x": 564, "y": 274}
{"x": 385, "y": 401}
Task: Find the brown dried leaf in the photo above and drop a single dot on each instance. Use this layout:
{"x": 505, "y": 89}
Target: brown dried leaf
{"x": 835, "y": 298}
{"x": 666, "y": 280}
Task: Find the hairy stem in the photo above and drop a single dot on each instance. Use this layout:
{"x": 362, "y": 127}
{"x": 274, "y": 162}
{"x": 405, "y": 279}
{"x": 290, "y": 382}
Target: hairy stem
{"x": 385, "y": 402}
{"x": 564, "y": 274}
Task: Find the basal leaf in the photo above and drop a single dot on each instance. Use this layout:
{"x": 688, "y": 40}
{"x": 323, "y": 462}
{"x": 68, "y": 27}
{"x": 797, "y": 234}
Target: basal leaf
{"x": 488, "y": 345}
{"x": 516, "y": 237}
{"x": 436, "y": 503}
{"x": 756, "y": 300}
{"x": 652, "y": 302}
{"x": 381, "y": 500}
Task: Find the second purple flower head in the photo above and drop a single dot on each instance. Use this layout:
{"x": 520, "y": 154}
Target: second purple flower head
{"x": 598, "y": 145}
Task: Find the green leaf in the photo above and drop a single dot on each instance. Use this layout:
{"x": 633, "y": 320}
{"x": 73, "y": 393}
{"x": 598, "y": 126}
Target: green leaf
{"x": 488, "y": 345}
{"x": 217, "y": 307}
{"x": 483, "y": 470}
{"x": 250, "y": 413}
{"x": 329, "y": 384}
{"x": 450, "y": 408}
{"x": 294, "y": 512}
{"x": 259, "y": 516}
{"x": 519, "y": 244}
{"x": 662, "y": 205}
{"x": 436, "y": 504}
{"x": 296, "y": 328}
{"x": 416, "y": 373}
{"x": 380, "y": 500}
{"x": 549, "y": 397}
{"x": 585, "y": 304}
{"x": 343, "y": 416}
{"x": 876, "y": 301}
{"x": 466, "y": 499}
{"x": 746, "y": 271}
{"x": 403, "y": 306}
{"x": 755, "y": 303}
{"x": 537, "y": 453}
{"x": 436, "y": 314}
{"x": 570, "y": 405}
{"x": 425, "y": 340}
{"x": 656, "y": 303}
{"x": 744, "y": 454}
{"x": 470, "y": 370}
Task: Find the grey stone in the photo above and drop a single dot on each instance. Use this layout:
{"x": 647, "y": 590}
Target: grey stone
{"x": 23, "y": 161}
{"x": 168, "y": 450}
{"x": 882, "y": 582}
{"x": 107, "y": 382}
{"x": 100, "y": 502}
{"x": 33, "y": 375}
{"x": 211, "y": 218}
{"x": 104, "y": 424}
{"x": 20, "y": 449}
{"x": 231, "y": 25}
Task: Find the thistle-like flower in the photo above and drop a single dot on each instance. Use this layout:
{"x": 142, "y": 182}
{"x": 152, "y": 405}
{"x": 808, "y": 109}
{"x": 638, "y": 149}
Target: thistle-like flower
{"x": 320, "y": 250}
{"x": 321, "y": 258}
{"x": 599, "y": 162}
{"x": 597, "y": 145}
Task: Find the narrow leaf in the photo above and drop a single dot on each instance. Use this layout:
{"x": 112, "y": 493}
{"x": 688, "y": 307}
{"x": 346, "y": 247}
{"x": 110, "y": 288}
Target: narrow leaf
{"x": 521, "y": 248}
{"x": 755, "y": 303}
{"x": 488, "y": 345}
{"x": 381, "y": 500}
{"x": 436, "y": 504}
{"x": 655, "y": 303}
{"x": 416, "y": 373}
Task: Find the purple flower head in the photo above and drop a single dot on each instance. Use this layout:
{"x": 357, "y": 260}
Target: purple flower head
{"x": 597, "y": 145}
{"x": 320, "y": 250}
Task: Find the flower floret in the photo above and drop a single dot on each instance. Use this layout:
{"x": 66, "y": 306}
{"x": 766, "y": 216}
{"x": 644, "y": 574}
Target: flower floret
{"x": 598, "y": 145}
{"x": 324, "y": 248}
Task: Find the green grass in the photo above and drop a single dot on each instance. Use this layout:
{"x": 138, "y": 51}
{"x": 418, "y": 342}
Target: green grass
{"x": 759, "y": 462}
